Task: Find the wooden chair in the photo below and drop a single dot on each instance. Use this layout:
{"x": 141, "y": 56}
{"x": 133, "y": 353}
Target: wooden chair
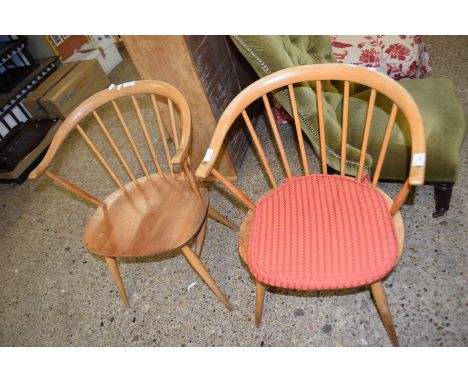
{"x": 157, "y": 212}
{"x": 321, "y": 231}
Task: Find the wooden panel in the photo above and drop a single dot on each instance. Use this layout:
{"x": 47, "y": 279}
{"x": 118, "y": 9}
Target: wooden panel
{"x": 222, "y": 72}
{"x": 166, "y": 58}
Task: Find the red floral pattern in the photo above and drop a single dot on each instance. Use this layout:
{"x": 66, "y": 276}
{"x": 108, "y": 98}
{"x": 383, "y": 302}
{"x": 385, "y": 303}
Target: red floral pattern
{"x": 399, "y": 57}
{"x": 398, "y": 51}
{"x": 370, "y": 56}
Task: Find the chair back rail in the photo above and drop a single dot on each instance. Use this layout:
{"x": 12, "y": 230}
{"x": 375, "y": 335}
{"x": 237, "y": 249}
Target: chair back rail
{"x": 89, "y": 108}
{"x": 377, "y": 82}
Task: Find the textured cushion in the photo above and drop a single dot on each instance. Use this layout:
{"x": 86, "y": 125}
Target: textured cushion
{"x": 322, "y": 232}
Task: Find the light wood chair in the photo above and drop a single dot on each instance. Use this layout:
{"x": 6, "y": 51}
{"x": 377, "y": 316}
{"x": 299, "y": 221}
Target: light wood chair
{"x": 321, "y": 231}
{"x": 155, "y": 213}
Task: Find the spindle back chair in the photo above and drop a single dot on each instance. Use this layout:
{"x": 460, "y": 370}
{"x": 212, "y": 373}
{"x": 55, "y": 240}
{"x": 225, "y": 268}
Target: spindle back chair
{"x": 321, "y": 236}
{"x": 151, "y": 214}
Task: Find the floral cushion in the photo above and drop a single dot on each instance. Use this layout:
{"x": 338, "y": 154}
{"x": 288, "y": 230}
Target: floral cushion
{"x": 399, "y": 57}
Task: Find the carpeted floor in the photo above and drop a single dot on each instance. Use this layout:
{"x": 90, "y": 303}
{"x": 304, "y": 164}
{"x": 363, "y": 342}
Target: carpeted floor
{"x": 54, "y": 293}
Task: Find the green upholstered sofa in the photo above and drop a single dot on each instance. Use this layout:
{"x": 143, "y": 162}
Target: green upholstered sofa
{"x": 442, "y": 113}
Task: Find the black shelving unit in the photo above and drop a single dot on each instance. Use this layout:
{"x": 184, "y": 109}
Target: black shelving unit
{"x": 11, "y": 110}
{"x": 22, "y": 140}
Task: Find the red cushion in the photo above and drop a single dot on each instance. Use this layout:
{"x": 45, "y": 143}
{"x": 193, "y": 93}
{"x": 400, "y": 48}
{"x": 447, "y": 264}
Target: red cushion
{"x": 322, "y": 232}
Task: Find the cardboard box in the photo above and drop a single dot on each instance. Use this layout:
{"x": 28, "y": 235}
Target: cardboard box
{"x": 104, "y": 51}
{"x": 65, "y": 89}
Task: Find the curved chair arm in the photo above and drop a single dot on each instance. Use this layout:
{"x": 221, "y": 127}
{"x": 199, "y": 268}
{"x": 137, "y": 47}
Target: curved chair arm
{"x": 127, "y": 89}
{"x": 339, "y": 72}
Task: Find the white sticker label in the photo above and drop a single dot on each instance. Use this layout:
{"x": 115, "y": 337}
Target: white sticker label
{"x": 130, "y": 83}
{"x": 419, "y": 159}
{"x": 208, "y": 155}
{"x": 111, "y": 86}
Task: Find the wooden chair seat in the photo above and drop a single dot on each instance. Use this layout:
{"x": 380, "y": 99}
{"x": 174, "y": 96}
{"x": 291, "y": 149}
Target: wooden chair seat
{"x": 156, "y": 217}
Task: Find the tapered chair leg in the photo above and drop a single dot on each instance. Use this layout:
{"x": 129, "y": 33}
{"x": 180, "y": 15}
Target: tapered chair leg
{"x": 380, "y": 297}
{"x": 196, "y": 263}
{"x": 213, "y": 214}
{"x": 112, "y": 264}
{"x": 259, "y": 298}
{"x": 201, "y": 238}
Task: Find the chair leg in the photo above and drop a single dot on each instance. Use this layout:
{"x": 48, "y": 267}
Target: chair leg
{"x": 112, "y": 264}
{"x": 201, "y": 238}
{"x": 442, "y": 195}
{"x": 380, "y": 297}
{"x": 213, "y": 214}
{"x": 196, "y": 263}
{"x": 259, "y": 298}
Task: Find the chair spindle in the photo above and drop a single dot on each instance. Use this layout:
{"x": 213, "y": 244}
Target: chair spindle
{"x": 365, "y": 139}
{"x": 323, "y": 150}
{"x": 400, "y": 198}
{"x": 162, "y": 133}
{"x": 130, "y": 139}
{"x": 75, "y": 189}
{"x": 101, "y": 158}
{"x": 147, "y": 136}
{"x": 173, "y": 123}
{"x": 277, "y": 136}
{"x": 297, "y": 124}
{"x": 191, "y": 178}
{"x": 386, "y": 140}
{"x": 258, "y": 145}
{"x": 344, "y": 128}
{"x": 237, "y": 193}
{"x": 114, "y": 147}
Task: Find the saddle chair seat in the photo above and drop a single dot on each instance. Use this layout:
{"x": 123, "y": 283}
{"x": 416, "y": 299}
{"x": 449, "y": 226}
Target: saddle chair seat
{"x": 320, "y": 232}
{"x": 157, "y": 216}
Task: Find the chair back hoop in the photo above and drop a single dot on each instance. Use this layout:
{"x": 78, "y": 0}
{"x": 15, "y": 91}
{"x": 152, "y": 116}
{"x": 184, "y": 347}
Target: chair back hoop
{"x": 378, "y": 82}
{"x": 129, "y": 89}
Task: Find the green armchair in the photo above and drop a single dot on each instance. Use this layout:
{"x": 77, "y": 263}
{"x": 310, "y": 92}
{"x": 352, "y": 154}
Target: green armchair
{"x": 442, "y": 113}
